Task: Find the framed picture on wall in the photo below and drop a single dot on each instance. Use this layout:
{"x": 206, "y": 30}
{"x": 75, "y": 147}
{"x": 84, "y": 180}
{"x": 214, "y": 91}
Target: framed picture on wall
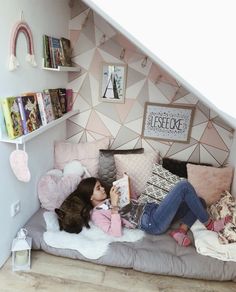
{"x": 167, "y": 122}
{"x": 113, "y": 83}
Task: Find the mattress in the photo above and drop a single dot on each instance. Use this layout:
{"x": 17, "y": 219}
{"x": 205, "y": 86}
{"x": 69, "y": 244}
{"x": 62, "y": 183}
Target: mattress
{"x": 151, "y": 254}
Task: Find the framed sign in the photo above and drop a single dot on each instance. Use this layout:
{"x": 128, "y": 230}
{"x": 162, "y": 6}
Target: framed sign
{"x": 112, "y": 87}
{"x": 167, "y": 122}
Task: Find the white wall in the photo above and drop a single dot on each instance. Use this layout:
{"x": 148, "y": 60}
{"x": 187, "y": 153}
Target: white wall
{"x": 44, "y": 17}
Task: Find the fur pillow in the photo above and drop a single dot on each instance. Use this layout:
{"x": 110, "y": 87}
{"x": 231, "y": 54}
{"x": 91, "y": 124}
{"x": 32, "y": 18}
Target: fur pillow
{"x": 159, "y": 184}
{"x": 54, "y": 189}
{"x": 87, "y": 153}
{"x": 225, "y": 206}
{"x": 138, "y": 167}
{"x": 107, "y": 166}
{"x": 210, "y": 182}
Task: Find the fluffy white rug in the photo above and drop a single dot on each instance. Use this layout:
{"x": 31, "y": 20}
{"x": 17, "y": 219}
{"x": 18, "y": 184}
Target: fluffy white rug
{"x": 91, "y": 243}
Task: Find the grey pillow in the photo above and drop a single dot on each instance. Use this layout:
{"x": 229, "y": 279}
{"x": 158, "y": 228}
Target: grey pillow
{"x": 107, "y": 166}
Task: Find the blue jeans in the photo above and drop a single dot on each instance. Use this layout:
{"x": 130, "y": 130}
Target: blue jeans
{"x": 181, "y": 203}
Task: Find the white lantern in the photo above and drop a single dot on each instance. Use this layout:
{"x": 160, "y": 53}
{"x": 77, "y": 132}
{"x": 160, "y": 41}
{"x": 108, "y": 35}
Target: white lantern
{"x": 21, "y": 251}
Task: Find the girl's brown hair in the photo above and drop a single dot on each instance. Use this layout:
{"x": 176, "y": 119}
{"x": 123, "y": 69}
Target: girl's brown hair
{"x": 84, "y": 192}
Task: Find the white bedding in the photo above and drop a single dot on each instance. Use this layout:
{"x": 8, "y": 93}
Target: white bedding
{"x": 207, "y": 243}
{"x": 91, "y": 243}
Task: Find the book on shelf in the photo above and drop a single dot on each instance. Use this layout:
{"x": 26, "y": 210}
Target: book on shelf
{"x": 69, "y": 99}
{"x": 62, "y": 99}
{"x": 3, "y": 130}
{"x": 55, "y": 51}
{"x": 46, "y": 52}
{"x": 45, "y": 107}
{"x": 123, "y": 186}
{"x": 30, "y": 111}
{"x": 66, "y": 52}
{"x": 56, "y": 107}
{"x": 12, "y": 117}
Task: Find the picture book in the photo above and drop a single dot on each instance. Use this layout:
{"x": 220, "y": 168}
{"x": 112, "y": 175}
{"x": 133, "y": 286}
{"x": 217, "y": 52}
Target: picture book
{"x": 22, "y": 115}
{"x": 46, "y": 52}
{"x": 69, "y": 99}
{"x": 123, "y": 186}
{"x": 66, "y": 52}
{"x": 3, "y": 130}
{"x": 32, "y": 115}
{"x": 62, "y": 99}
{"x": 12, "y": 117}
{"x": 45, "y": 107}
{"x": 56, "y": 107}
{"x": 55, "y": 51}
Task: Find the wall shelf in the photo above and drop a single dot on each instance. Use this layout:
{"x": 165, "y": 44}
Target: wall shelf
{"x": 62, "y": 68}
{"x": 42, "y": 129}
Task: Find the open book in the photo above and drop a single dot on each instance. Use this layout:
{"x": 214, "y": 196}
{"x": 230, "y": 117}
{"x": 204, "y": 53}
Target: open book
{"x": 124, "y": 189}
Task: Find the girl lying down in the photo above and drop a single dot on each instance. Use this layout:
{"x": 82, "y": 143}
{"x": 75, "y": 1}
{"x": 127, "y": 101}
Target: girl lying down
{"x": 181, "y": 203}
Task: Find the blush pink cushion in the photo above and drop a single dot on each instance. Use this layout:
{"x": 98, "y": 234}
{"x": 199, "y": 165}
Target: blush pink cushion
{"x": 209, "y": 182}
{"x": 87, "y": 153}
{"x": 54, "y": 189}
{"x": 138, "y": 167}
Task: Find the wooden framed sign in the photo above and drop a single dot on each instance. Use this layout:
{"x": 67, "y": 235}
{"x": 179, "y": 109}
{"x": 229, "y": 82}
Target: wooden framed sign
{"x": 113, "y": 83}
{"x": 167, "y": 122}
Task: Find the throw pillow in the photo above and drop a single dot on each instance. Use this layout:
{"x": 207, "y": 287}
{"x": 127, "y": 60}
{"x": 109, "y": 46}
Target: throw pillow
{"x": 178, "y": 167}
{"x": 54, "y": 189}
{"x": 225, "y": 206}
{"x": 210, "y": 182}
{"x": 87, "y": 153}
{"x": 107, "y": 166}
{"x": 159, "y": 184}
{"x": 138, "y": 167}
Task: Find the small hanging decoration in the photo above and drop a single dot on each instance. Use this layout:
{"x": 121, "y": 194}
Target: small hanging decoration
{"x": 21, "y": 26}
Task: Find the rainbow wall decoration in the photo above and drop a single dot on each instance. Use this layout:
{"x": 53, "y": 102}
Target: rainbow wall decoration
{"x": 21, "y": 26}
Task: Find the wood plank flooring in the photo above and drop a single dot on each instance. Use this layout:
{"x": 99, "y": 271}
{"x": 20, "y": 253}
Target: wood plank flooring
{"x": 51, "y": 273}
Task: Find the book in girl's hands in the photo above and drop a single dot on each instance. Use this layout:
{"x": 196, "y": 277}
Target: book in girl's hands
{"x": 12, "y": 117}
{"x": 123, "y": 186}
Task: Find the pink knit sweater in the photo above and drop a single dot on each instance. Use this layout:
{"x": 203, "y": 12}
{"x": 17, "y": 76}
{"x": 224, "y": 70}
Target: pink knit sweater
{"x": 110, "y": 223}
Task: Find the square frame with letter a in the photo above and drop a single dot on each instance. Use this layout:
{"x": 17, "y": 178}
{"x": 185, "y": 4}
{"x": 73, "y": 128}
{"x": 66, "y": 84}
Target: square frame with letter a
{"x": 167, "y": 122}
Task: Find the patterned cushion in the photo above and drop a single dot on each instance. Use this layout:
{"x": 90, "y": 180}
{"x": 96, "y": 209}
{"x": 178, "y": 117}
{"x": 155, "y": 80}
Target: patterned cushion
{"x": 225, "y": 206}
{"x": 107, "y": 166}
{"x": 138, "y": 167}
{"x": 159, "y": 184}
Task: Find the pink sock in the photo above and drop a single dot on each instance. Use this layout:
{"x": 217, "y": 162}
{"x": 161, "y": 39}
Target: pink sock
{"x": 218, "y": 225}
{"x": 181, "y": 237}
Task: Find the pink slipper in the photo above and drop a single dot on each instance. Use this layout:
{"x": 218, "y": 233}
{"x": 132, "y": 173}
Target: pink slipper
{"x": 19, "y": 164}
{"x": 180, "y": 237}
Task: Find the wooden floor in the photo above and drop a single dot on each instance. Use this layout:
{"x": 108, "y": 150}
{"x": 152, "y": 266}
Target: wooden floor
{"x": 51, "y": 273}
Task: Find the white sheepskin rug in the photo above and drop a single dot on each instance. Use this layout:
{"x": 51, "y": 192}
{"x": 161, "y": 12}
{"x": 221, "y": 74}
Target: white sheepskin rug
{"x": 91, "y": 243}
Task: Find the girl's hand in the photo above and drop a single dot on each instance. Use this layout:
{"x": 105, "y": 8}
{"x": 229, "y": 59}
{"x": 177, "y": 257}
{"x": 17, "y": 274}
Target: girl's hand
{"x": 114, "y": 195}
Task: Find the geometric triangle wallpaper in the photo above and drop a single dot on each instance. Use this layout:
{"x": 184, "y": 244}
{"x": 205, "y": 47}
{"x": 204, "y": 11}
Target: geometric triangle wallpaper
{"x": 95, "y": 41}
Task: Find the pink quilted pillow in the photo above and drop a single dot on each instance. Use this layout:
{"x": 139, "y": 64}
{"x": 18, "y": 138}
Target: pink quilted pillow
{"x": 138, "y": 167}
{"x": 87, "y": 153}
{"x": 209, "y": 182}
{"x": 54, "y": 189}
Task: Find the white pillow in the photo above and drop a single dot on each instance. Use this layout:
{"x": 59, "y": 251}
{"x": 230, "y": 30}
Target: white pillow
{"x": 138, "y": 167}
